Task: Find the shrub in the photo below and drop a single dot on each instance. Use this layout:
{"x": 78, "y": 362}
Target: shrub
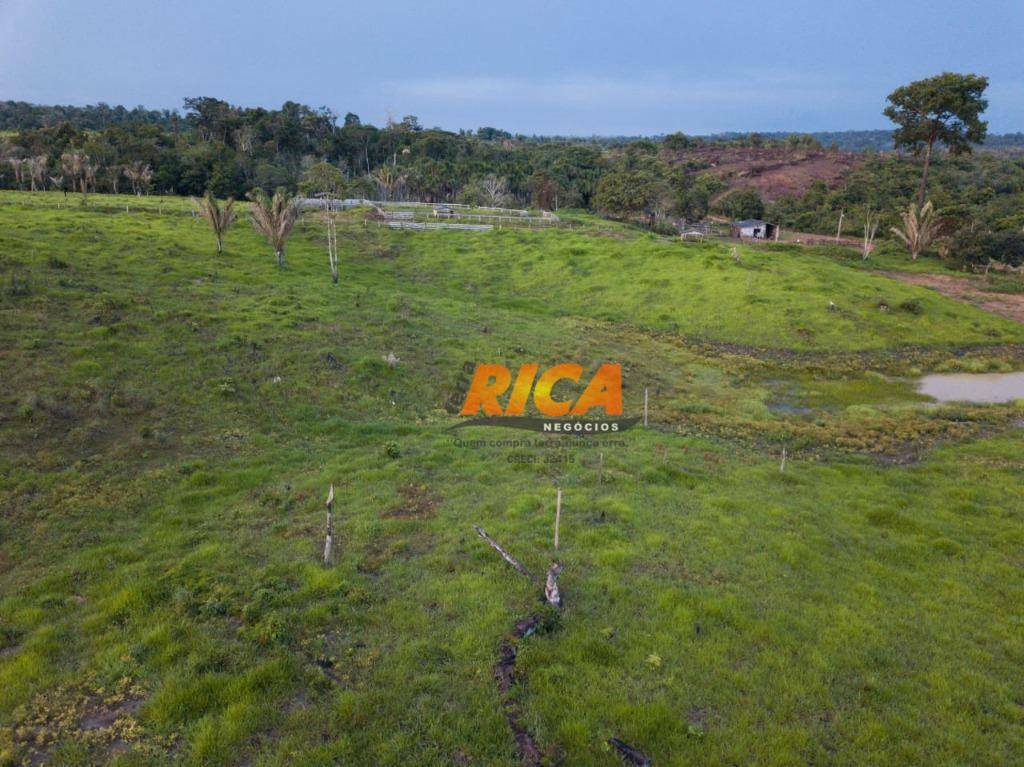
{"x": 741, "y": 204}
{"x": 967, "y": 247}
{"x": 912, "y": 306}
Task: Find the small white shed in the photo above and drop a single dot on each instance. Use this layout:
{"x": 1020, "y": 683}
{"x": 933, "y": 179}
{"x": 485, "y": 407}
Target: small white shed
{"x": 754, "y": 229}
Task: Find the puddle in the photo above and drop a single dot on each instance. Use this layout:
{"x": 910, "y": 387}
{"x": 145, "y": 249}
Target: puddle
{"x": 787, "y": 408}
{"x": 973, "y": 387}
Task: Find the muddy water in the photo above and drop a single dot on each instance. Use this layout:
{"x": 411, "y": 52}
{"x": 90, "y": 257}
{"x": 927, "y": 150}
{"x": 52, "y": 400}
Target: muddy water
{"x": 973, "y": 387}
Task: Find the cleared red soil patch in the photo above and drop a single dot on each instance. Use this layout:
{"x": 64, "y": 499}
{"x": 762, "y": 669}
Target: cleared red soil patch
{"x": 773, "y": 171}
{"x": 1009, "y": 305}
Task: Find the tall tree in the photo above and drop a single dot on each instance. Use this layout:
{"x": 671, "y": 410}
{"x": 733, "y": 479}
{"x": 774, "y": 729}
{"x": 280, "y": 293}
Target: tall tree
{"x": 742, "y": 204}
{"x": 322, "y": 179}
{"x": 274, "y": 217}
{"x": 626, "y": 193}
{"x": 946, "y": 109}
{"x": 544, "y": 189}
{"x": 219, "y": 217}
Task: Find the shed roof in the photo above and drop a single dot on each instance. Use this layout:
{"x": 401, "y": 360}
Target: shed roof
{"x": 750, "y": 222}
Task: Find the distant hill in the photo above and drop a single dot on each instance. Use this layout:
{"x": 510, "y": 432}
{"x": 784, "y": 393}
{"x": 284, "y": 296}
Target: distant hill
{"x": 862, "y": 140}
{"x": 847, "y": 141}
{"x": 773, "y": 170}
{"x": 19, "y": 115}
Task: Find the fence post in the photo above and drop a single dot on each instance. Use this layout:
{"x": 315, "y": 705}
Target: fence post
{"x": 330, "y": 526}
{"x": 558, "y": 515}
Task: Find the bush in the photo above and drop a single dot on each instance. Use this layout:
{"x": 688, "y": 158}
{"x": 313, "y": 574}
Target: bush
{"x": 888, "y": 249}
{"x": 912, "y": 306}
{"x": 967, "y": 247}
{"x": 626, "y": 193}
{"x": 741, "y": 204}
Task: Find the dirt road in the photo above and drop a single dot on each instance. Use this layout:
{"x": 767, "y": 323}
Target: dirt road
{"x": 1009, "y": 305}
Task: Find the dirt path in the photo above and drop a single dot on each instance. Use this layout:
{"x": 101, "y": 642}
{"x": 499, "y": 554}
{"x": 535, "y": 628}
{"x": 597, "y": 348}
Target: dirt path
{"x": 1009, "y": 305}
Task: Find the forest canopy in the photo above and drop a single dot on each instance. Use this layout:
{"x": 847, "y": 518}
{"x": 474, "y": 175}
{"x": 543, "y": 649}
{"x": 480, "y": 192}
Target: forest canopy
{"x": 212, "y": 145}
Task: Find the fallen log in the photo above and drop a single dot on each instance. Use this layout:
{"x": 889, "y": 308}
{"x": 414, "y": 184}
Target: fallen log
{"x": 631, "y": 755}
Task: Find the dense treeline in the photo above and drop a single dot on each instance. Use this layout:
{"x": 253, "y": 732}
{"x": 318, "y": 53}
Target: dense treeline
{"x": 215, "y": 146}
{"x": 19, "y": 115}
{"x": 232, "y": 150}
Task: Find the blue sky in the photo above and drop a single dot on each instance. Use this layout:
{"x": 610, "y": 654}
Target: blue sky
{"x": 532, "y": 67}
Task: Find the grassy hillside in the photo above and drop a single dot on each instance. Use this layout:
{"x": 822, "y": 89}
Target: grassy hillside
{"x": 171, "y": 420}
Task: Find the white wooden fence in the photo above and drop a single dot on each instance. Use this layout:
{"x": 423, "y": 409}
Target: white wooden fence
{"x": 382, "y": 205}
{"x": 421, "y": 225}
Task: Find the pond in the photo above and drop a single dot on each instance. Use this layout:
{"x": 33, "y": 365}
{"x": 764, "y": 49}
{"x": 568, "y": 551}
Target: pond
{"x": 973, "y": 387}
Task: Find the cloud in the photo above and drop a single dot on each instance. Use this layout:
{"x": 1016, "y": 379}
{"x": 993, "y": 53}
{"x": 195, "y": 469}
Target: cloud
{"x": 23, "y": 40}
{"x": 642, "y": 92}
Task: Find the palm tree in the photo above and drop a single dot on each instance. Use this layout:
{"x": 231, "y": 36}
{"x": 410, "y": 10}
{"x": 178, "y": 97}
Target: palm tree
{"x": 37, "y": 170}
{"x": 140, "y": 174}
{"x": 71, "y": 165}
{"x": 920, "y": 228}
{"x": 219, "y": 217}
{"x": 79, "y": 169}
{"x": 389, "y": 181}
{"x": 17, "y": 166}
{"x": 274, "y": 217}
{"x": 91, "y": 172}
{"x": 114, "y": 173}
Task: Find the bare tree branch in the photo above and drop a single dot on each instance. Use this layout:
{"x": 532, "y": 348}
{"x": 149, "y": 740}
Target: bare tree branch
{"x": 516, "y": 564}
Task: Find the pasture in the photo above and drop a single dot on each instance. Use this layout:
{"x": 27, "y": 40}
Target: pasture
{"x": 171, "y": 419}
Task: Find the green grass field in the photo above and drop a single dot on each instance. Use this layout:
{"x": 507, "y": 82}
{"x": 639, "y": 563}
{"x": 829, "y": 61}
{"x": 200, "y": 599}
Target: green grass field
{"x": 171, "y": 419}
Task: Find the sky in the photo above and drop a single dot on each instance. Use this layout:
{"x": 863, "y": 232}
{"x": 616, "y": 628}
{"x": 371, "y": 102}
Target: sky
{"x": 579, "y": 68}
